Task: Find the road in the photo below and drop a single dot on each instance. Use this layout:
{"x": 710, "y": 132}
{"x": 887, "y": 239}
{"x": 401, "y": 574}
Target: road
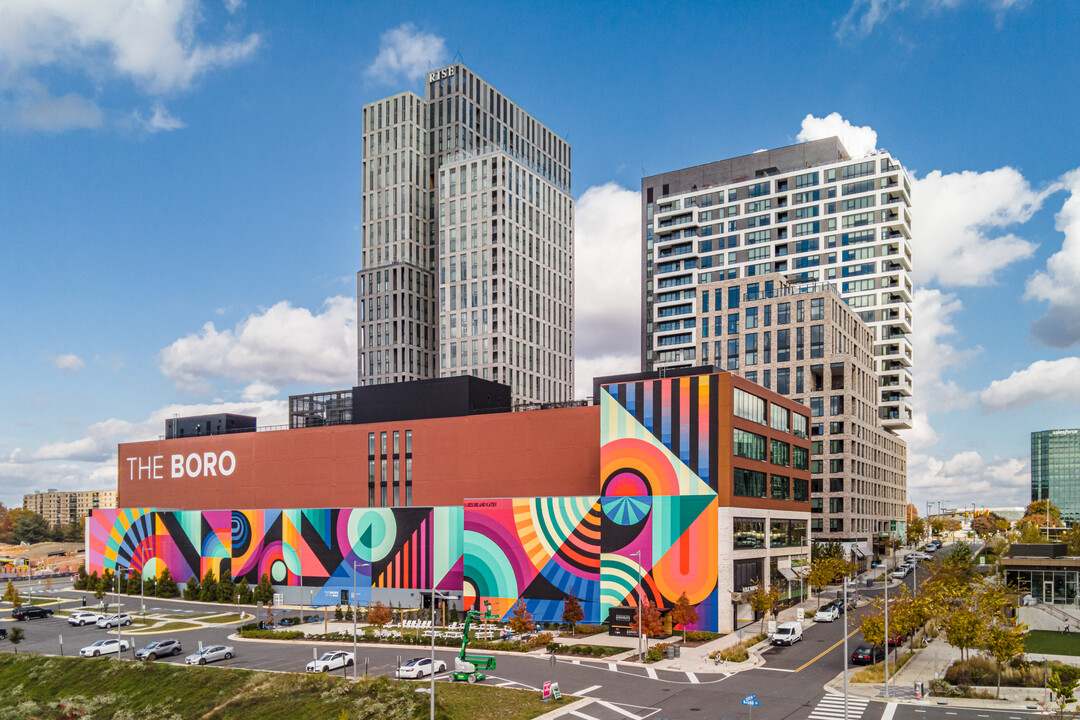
{"x": 789, "y": 685}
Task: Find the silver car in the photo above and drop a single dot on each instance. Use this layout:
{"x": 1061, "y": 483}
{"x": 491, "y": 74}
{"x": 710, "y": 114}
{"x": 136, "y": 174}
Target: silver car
{"x": 113, "y": 620}
{"x": 159, "y": 648}
{"x": 210, "y": 654}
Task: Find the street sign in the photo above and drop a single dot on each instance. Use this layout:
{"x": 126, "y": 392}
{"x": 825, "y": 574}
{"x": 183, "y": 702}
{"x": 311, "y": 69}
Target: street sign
{"x": 752, "y": 696}
{"x": 753, "y": 703}
{"x": 555, "y": 692}
{"x": 546, "y": 697}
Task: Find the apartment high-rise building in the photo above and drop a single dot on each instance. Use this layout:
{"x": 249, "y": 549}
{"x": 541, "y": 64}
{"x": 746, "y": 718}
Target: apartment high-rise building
{"x": 810, "y": 212}
{"x": 63, "y": 508}
{"x": 467, "y": 241}
{"x": 1055, "y": 470}
{"x": 803, "y": 341}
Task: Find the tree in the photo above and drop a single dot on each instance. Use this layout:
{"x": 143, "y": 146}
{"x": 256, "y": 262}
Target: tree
{"x": 150, "y": 587}
{"x": 912, "y": 513}
{"x": 1041, "y": 507}
{"x": 80, "y": 578}
{"x": 908, "y": 614}
{"x": 1028, "y": 531}
{"x": 572, "y": 613}
{"x": 166, "y": 586}
{"x": 873, "y": 631}
{"x": 1004, "y": 642}
{"x": 937, "y": 525}
{"x": 208, "y": 588}
{"x": 264, "y": 591}
{"x": 15, "y": 637}
{"x": 683, "y": 613}
{"x": 244, "y": 591}
{"x": 226, "y": 589}
{"x": 765, "y": 600}
{"x": 348, "y": 613}
{"x": 984, "y": 525}
{"x": 1063, "y": 690}
{"x": 338, "y": 615}
{"x": 1072, "y": 540}
{"x": 30, "y": 528}
{"x": 191, "y": 589}
{"x": 650, "y": 620}
{"x": 521, "y": 620}
{"x": 379, "y": 615}
{"x": 11, "y": 595}
{"x": 76, "y": 531}
{"x": 916, "y": 529}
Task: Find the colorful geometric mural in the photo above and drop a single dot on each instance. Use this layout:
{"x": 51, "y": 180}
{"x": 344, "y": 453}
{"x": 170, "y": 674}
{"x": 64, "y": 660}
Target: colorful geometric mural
{"x": 320, "y": 549}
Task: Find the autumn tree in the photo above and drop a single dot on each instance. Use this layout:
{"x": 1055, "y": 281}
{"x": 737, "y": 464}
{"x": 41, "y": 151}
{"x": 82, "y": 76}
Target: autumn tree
{"x": 765, "y": 601}
{"x": 11, "y": 595}
{"x": 1004, "y": 641}
{"x": 521, "y": 620}
{"x": 572, "y": 613}
{"x": 984, "y": 525}
{"x": 651, "y": 626}
{"x": 916, "y": 528}
{"x": 684, "y": 613}
{"x": 873, "y": 631}
{"x": 909, "y": 614}
{"x": 379, "y": 615}
{"x": 937, "y": 525}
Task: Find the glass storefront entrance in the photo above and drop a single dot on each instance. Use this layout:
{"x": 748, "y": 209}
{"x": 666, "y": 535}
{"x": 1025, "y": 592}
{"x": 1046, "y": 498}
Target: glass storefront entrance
{"x": 1049, "y": 586}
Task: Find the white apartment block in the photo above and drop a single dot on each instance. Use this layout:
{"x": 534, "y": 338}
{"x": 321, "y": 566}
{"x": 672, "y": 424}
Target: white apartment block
{"x": 809, "y": 212}
{"x": 467, "y": 241}
{"x": 63, "y": 508}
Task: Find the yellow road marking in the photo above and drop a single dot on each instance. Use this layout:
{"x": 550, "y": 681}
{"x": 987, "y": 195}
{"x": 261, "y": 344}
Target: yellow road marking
{"x": 825, "y": 651}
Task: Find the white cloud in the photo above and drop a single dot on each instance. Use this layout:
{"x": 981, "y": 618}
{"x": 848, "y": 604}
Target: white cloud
{"x": 278, "y": 346}
{"x": 934, "y": 311}
{"x": 89, "y": 462}
{"x": 957, "y": 219}
{"x": 405, "y": 53}
{"x": 41, "y": 111}
{"x": 1042, "y": 381}
{"x": 858, "y": 140}
{"x": 1059, "y": 284}
{"x": 233, "y": 5}
{"x": 154, "y": 45}
{"x": 607, "y": 284}
{"x": 68, "y": 363}
{"x": 161, "y": 120}
{"x": 966, "y": 478}
{"x": 864, "y": 15}
{"x": 259, "y": 391}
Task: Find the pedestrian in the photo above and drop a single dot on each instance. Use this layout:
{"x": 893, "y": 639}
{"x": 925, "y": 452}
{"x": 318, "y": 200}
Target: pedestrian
{"x": 1066, "y": 630}
{"x": 84, "y": 601}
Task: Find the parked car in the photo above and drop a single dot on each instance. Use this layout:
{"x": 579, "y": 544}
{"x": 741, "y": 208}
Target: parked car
{"x": 331, "y": 661}
{"x": 900, "y": 573}
{"x": 866, "y": 654}
{"x": 418, "y": 668}
{"x": 83, "y": 617}
{"x": 105, "y": 647}
{"x": 839, "y": 605}
{"x": 787, "y": 633}
{"x": 827, "y": 613}
{"x": 159, "y": 648}
{"x": 110, "y": 621}
{"x": 30, "y": 612}
{"x": 898, "y": 639}
{"x": 212, "y": 653}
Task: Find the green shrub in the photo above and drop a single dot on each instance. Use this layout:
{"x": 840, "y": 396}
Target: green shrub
{"x": 702, "y": 636}
{"x": 272, "y": 634}
{"x": 589, "y": 629}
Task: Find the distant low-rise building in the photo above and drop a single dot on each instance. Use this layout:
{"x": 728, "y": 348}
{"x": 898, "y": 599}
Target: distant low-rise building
{"x": 63, "y": 508}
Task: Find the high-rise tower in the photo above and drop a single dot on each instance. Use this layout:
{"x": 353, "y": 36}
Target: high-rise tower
{"x": 468, "y": 251}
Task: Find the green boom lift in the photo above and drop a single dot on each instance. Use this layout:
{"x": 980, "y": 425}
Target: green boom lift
{"x": 466, "y": 666}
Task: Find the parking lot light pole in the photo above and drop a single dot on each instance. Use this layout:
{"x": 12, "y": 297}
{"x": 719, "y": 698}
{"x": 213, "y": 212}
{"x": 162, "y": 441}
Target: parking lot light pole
{"x": 886, "y": 627}
{"x": 434, "y": 594}
{"x": 641, "y": 659}
{"x": 118, "y": 624}
{"x": 356, "y": 609}
{"x": 846, "y": 609}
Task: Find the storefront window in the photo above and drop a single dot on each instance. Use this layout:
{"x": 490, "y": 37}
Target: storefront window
{"x": 748, "y": 533}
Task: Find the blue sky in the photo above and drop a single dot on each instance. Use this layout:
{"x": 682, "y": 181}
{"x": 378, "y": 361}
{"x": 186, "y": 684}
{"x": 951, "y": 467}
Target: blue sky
{"x": 180, "y": 194}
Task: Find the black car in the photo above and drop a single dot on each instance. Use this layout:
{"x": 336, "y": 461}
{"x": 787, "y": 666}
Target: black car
{"x": 866, "y": 654}
{"x": 839, "y": 604}
{"x": 30, "y": 612}
{"x": 3, "y": 634}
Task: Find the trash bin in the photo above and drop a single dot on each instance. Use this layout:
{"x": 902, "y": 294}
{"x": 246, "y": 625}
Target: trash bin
{"x": 677, "y": 649}
{"x": 669, "y": 652}
{"x": 869, "y": 582}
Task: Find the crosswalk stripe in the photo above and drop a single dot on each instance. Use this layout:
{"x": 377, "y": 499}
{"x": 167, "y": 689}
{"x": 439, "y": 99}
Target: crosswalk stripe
{"x": 586, "y": 690}
{"x": 611, "y": 667}
{"x": 651, "y": 673}
{"x": 582, "y": 715}
{"x": 692, "y": 678}
{"x": 618, "y": 709}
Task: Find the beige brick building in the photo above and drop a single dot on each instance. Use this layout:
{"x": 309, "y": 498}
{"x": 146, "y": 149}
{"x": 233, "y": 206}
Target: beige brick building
{"x": 63, "y": 508}
{"x": 804, "y": 342}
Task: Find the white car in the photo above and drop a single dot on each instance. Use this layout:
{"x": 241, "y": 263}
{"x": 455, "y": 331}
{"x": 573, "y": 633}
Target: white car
{"x": 418, "y": 668}
{"x": 210, "y": 654}
{"x": 827, "y": 613}
{"x": 83, "y": 617}
{"x": 109, "y": 621}
{"x": 105, "y": 647}
{"x": 787, "y": 633}
{"x": 331, "y": 661}
{"x": 900, "y": 573}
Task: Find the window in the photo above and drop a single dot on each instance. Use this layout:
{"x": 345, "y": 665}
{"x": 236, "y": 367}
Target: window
{"x": 857, "y": 170}
{"x": 783, "y": 313}
{"x": 749, "y": 407}
{"x": 749, "y": 483}
{"x": 733, "y": 324}
{"x": 836, "y": 405}
{"x": 780, "y": 452}
{"x": 800, "y": 457}
{"x": 836, "y": 465}
{"x": 733, "y": 354}
{"x": 748, "y": 533}
{"x": 751, "y": 318}
{"x": 783, "y": 345}
{"x": 815, "y": 485}
{"x": 779, "y": 418}
{"x": 783, "y": 380}
{"x": 836, "y": 525}
{"x": 749, "y": 445}
{"x": 815, "y": 505}
{"x": 704, "y": 301}
{"x": 817, "y": 308}
{"x": 779, "y": 487}
{"x": 751, "y": 353}
{"x": 732, "y": 299}
{"x": 799, "y": 425}
{"x": 836, "y": 484}
{"x": 800, "y": 491}
{"x": 806, "y": 180}
{"x": 836, "y": 505}
{"x": 836, "y": 428}
{"x": 815, "y": 467}
{"x": 836, "y": 446}
{"x": 817, "y": 407}
{"x": 817, "y": 341}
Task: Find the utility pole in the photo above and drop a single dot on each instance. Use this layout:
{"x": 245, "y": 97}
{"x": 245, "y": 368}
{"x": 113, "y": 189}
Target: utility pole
{"x": 356, "y": 610}
{"x": 641, "y": 659}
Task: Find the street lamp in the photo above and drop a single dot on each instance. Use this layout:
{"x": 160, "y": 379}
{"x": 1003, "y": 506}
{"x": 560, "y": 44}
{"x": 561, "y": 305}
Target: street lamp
{"x": 118, "y": 623}
{"x": 846, "y": 611}
{"x": 356, "y": 610}
{"x": 442, "y": 596}
{"x": 641, "y": 659}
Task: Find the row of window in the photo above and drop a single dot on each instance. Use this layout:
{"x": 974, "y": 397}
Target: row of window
{"x": 756, "y": 484}
{"x": 750, "y": 533}
{"x": 753, "y": 408}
